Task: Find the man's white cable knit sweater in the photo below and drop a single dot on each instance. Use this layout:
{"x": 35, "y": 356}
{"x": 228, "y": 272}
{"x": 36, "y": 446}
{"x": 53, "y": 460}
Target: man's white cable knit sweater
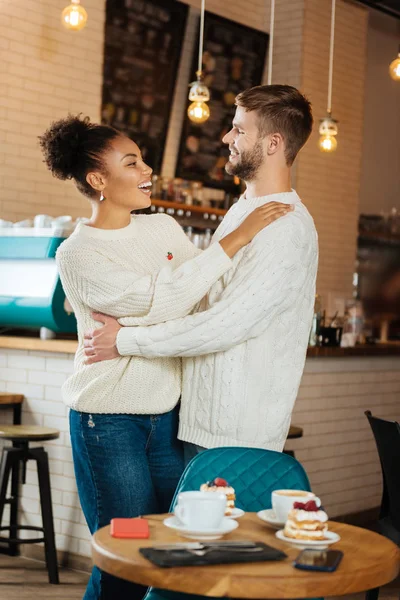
{"x": 245, "y": 349}
{"x": 144, "y": 273}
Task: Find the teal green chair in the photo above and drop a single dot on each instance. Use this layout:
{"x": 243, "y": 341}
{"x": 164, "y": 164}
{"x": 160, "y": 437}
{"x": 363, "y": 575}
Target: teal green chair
{"x": 254, "y": 473}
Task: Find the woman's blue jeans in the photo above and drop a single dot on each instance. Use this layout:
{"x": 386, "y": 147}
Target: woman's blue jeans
{"x": 125, "y": 466}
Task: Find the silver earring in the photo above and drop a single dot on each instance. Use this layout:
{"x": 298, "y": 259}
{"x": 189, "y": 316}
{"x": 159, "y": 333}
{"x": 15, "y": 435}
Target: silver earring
{"x": 102, "y": 197}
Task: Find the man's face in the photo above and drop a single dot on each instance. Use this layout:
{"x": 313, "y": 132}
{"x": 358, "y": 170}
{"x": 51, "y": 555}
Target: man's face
{"x": 245, "y": 145}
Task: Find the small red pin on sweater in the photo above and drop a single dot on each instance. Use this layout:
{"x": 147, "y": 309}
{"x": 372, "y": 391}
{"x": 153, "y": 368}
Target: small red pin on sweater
{"x": 170, "y": 256}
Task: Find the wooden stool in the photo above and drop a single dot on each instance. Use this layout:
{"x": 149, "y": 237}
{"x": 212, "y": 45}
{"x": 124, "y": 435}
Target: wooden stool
{"x": 294, "y": 433}
{"x": 13, "y": 459}
{"x": 13, "y": 401}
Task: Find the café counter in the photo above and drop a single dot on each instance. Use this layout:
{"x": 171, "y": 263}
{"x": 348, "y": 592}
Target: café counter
{"x": 69, "y": 346}
{"x": 337, "y": 448}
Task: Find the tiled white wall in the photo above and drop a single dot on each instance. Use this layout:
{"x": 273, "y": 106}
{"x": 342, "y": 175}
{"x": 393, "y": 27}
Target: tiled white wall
{"x": 39, "y": 376}
{"x": 337, "y": 449}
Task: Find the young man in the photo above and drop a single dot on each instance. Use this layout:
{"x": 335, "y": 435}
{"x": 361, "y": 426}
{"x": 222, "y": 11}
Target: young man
{"x": 244, "y": 349}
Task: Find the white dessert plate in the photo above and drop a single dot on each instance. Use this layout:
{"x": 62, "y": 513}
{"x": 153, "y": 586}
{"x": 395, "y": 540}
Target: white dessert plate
{"x": 268, "y": 516}
{"x": 236, "y": 513}
{"x": 227, "y": 526}
{"x": 331, "y": 536}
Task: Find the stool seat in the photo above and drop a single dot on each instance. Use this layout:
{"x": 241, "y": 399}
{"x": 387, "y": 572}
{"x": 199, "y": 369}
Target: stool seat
{"x": 13, "y": 462}
{"x": 6, "y": 398}
{"x": 295, "y": 432}
{"x": 28, "y": 433}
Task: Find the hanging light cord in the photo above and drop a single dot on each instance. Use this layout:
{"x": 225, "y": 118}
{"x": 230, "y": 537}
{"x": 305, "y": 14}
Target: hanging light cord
{"x": 271, "y": 41}
{"x": 200, "y": 65}
{"x": 332, "y": 46}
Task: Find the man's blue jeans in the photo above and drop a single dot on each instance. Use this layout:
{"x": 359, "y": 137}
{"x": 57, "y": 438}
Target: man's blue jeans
{"x": 125, "y": 466}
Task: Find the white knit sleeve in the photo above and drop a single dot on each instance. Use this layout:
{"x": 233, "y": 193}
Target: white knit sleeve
{"x": 267, "y": 279}
{"x": 107, "y": 287}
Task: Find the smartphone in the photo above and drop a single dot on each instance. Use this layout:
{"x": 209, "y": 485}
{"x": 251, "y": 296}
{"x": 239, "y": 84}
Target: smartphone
{"x": 137, "y": 528}
{"x": 318, "y": 560}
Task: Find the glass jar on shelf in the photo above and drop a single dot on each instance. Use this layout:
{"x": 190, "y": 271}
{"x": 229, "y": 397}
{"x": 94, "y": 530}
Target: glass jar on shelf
{"x": 177, "y": 190}
{"x": 197, "y": 193}
{"x": 189, "y": 232}
{"x": 207, "y": 237}
{"x": 156, "y": 186}
{"x": 316, "y": 322}
{"x": 165, "y": 183}
{"x": 353, "y": 325}
{"x": 394, "y": 221}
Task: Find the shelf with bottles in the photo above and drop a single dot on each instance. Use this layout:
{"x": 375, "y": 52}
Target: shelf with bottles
{"x": 187, "y": 217}
{"x": 379, "y": 237}
{"x": 174, "y": 192}
{"x": 193, "y": 209}
{"x": 383, "y": 229}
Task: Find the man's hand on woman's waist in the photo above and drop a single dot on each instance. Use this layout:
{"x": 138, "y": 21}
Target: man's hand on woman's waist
{"x": 101, "y": 344}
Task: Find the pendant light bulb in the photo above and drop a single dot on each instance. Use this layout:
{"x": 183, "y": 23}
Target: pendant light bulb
{"x": 394, "y": 69}
{"x": 328, "y": 128}
{"x": 74, "y": 16}
{"x": 198, "y": 112}
{"x": 328, "y": 131}
{"x": 199, "y": 94}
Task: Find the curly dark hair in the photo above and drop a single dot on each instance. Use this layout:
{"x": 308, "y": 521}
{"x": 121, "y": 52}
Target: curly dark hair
{"x": 72, "y": 147}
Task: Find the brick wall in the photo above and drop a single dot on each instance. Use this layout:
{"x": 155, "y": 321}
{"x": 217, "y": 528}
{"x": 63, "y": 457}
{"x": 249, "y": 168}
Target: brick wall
{"x": 329, "y": 183}
{"x": 46, "y": 72}
{"x": 337, "y": 449}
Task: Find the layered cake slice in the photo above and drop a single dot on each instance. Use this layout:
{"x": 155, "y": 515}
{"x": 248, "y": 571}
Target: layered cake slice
{"x": 306, "y": 522}
{"x": 221, "y": 485}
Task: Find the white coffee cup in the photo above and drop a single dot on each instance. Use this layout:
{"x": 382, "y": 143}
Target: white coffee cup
{"x": 201, "y": 510}
{"x": 5, "y": 224}
{"x": 42, "y": 221}
{"x": 63, "y": 220}
{"x": 24, "y": 223}
{"x": 283, "y": 500}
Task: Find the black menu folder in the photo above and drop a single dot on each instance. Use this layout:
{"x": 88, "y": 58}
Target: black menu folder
{"x": 213, "y": 556}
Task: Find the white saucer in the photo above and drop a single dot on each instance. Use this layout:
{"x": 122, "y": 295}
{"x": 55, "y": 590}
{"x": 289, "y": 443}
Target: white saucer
{"x": 301, "y": 544}
{"x": 236, "y": 513}
{"x": 227, "y": 526}
{"x": 268, "y": 516}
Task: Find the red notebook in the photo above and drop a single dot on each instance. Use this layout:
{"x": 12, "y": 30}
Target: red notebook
{"x": 130, "y": 528}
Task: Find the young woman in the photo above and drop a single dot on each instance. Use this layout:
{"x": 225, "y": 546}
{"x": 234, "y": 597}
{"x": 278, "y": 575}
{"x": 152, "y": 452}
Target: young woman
{"x": 140, "y": 269}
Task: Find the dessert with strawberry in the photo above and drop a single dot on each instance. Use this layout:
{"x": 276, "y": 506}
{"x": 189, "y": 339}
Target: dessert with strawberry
{"x": 306, "y": 521}
{"x": 221, "y": 485}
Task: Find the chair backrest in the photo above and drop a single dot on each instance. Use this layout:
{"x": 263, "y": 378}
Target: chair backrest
{"x": 254, "y": 473}
{"x": 387, "y": 438}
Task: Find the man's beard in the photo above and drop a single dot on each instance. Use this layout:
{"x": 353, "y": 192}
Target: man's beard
{"x": 249, "y": 163}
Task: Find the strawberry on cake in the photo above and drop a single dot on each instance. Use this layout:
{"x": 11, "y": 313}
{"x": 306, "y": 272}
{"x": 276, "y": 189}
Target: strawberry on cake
{"x": 221, "y": 485}
{"x": 306, "y": 521}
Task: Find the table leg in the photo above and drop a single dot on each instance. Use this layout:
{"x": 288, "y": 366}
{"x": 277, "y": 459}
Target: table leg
{"x": 17, "y": 414}
{"x": 372, "y": 594}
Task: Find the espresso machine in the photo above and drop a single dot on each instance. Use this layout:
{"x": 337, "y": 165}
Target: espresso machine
{"x": 31, "y": 295}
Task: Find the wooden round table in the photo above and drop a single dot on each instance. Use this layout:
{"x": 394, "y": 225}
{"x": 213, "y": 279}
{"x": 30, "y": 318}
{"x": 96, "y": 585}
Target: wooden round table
{"x": 369, "y": 561}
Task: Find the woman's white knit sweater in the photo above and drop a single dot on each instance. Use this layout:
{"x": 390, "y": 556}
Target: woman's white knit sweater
{"x": 144, "y": 273}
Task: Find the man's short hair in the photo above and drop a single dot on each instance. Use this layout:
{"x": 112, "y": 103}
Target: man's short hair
{"x": 281, "y": 109}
